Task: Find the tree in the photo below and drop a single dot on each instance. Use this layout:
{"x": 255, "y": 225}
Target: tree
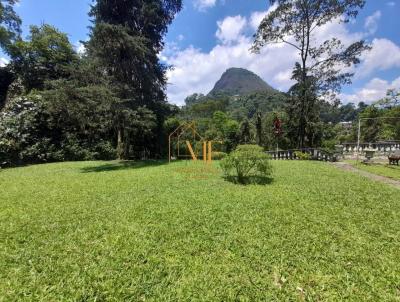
{"x": 6, "y": 78}
{"x": 137, "y": 128}
{"x": 391, "y": 100}
{"x": 194, "y": 99}
{"x": 371, "y": 125}
{"x": 276, "y": 130}
{"x": 22, "y": 131}
{"x": 245, "y": 136}
{"x": 247, "y": 164}
{"x": 259, "y": 129}
{"x": 125, "y": 40}
{"x": 45, "y": 56}
{"x": 223, "y": 129}
{"x": 303, "y": 110}
{"x": 321, "y": 70}
{"x": 10, "y": 24}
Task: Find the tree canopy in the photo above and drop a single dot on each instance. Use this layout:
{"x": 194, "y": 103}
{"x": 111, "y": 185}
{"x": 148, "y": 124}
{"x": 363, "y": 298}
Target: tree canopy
{"x": 323, "y": 65}
{"x": 109, "y": 101}
{"x": 10, "y": 24}
{"x": 46, "y": 55}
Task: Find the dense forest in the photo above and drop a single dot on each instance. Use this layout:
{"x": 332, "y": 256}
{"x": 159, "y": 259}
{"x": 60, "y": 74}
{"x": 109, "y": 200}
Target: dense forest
{"x": 110, "y": 101}
{"x": 248, "y": 115}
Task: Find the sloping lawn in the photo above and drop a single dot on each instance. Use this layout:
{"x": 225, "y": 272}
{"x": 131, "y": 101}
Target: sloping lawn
{"x": 390, "y": 171}
{"x": 104, "y": 231}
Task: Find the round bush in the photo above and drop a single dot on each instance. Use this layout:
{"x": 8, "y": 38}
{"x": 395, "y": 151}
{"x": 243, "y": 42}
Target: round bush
{"x": 247, "y": 164}
{"x": 218, "y": 155}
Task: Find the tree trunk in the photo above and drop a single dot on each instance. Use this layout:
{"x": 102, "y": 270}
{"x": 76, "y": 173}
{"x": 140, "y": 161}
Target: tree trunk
{"x": 120, "y": 145}
{"x": 126, "y": 146}
{"x": 259, "y": 129}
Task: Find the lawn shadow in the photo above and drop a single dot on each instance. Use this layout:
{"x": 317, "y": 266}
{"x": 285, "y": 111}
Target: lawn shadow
{"x": 123, "y": 165}
{"x": 250, "y": 180}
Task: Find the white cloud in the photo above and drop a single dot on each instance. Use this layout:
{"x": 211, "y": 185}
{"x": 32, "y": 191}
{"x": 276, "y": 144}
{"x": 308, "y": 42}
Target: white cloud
{"x": 80, "y": 48}
{"x": 257, "y": 17}
{"x": 3, "y": 62}
{"x": 391, "y": 3}
{"x": 196, "y": 71}
{"x": 203, "y": 5}
{"x": 373, "y": 91}
{"x": 231, "y": 29}
{"x": 384, "y": 55}
{"x": 371, "y": 22}
{"x": 180, "y": 37}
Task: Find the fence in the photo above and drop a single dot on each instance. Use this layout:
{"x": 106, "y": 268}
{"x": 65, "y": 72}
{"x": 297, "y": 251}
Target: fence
{"x": 380, "y": 147}
{"x": 315, "y": 154}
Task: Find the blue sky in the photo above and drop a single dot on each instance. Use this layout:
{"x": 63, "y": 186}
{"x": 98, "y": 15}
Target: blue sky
{"x": 209, "y": 36}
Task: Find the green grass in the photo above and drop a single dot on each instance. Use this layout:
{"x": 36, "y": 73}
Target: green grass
{"x": 390, "y": 171}
{"x": 103, "y": 231}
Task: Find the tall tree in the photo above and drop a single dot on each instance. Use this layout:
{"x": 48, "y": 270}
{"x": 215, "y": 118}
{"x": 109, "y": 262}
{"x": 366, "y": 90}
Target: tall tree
{"x": 322, "y": 67}
{"x": 259, "y": 129}
{"x": 126, "y": 39}
{"x": 245, "y": 132}
{"x": 391, "y": 100}
{"x": 6, "y": 78}
{"x": 10, "y": 31}
{"x": 46, "y": 55}
{"x": 10, "y": 24}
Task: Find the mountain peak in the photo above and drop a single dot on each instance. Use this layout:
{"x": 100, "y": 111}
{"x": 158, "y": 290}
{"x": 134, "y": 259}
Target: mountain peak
{"x": 239, "y": 81}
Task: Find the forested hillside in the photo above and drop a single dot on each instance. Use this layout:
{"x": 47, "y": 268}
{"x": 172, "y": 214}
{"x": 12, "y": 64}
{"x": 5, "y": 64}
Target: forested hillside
{"x": 242, "y": 108}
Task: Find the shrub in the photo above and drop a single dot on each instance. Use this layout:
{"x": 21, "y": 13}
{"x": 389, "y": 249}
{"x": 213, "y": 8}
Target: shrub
{"x": 104, "y": 151}
{"x": 302, "y": 156}
{"x": 22, "y": 124}
{"x": 329, "y": 145}
{"x": 218, "y": 155}
{"x": 248, "y": 163}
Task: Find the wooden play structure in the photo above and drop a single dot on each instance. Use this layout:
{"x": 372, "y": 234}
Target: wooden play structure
{"x": 187, "y": 132}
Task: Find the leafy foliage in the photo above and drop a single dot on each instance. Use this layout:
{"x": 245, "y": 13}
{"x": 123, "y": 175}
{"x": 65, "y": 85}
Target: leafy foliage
{"x": 125, "y": 41}
{"x": 109, "y": 101}
{"x": 10, "y": 24}
{"x": 319, "y": 71}
{"x": 302, "y": 156}
{"x": 22, "y": 125}
{"x": 248, "y": 163}
{"x": 380, "y": 124}
{"x": 6, "y": 78}
{"x": 46, "y": 55}
{"x": 216, "y": 155}
{"x": 391, "y": 100}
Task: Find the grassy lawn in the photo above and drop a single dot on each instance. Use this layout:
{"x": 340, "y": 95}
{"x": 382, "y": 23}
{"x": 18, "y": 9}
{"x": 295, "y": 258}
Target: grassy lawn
{"x": 103, "y": 231}
{"x": 379, "y": 169}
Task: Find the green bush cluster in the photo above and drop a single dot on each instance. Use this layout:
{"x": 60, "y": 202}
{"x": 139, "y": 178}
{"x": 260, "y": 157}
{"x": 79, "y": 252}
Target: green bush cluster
{"x": 31, "y": 133}
{"x": 247, "y": 164}
{"x": 302, "y": 156}
{"x": 218, "y": 155}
